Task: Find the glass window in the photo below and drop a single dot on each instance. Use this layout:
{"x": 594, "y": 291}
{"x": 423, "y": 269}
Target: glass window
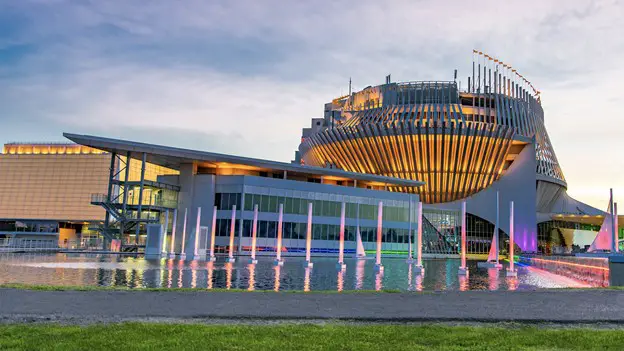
{"x": 317, "y": 208}
{"x": 328, "y": 208}
{"x": 247, "y": 228}
{"x": 351, "y": 210}
{"x": 248, "y": 202}
{"x": 272, "y": 203}
{"x": 218, "y": 200}
{"x": 296, "y": 204}
{"x": 263, "y": 229}
{"x": 272, "y": 229}
{"x": 288, "y": 205}
{"x": 325, "y": 233}
{"x": 317, "y": 231}
{"x": 303, "y": 207}
{"x": 264, "y": 203}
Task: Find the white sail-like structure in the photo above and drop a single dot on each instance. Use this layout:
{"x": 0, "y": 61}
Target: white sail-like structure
{"x": 604, "y": 238}
{"x": 359, "y": 251}
{"x": 493, "y": 254}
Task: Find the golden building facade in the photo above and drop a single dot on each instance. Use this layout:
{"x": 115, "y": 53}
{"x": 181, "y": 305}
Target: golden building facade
{"x": 56, "y": 182}
{"x": 52, "y": 182}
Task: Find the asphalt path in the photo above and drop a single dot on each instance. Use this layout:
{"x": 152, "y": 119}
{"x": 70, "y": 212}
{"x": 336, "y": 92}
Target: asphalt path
{"x": 542, "y": 306}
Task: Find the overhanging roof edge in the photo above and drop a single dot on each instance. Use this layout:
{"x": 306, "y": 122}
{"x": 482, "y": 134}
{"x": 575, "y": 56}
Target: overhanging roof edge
{"x": 109, "y": 144}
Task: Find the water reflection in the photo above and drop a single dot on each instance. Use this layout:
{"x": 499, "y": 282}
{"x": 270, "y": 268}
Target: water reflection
{"x": 210, "y": 268}
{"x": 493, "y": 274}
{"x": 359, "y": 274}
{"x": 278, "y": 270}
{"x": 378, "y": 280}
{"x": 109, "y": 270}
{"x": 418, "y": 282}
{"x": 410, "y": 286}
{"x": 228, "y": 275}
{"x": 193, "y": 266}
{"x": 512, "y": 283}
{"x": 306, "y": 280}
{"x": 463, "y": 282}
{"x": 252, "y": 276}
{"x": 340, "y": 280}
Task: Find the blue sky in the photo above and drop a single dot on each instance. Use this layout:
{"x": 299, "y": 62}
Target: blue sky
{"x": 244, "y": 77}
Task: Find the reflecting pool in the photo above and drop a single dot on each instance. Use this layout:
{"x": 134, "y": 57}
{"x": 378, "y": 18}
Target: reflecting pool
{"x": 123, "y": 271}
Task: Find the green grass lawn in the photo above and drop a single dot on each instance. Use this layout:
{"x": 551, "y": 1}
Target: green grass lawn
{"x": 140, "y": 336}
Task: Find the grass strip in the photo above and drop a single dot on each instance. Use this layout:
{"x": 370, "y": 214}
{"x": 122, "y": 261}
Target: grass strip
{"x": 145, "y": 336}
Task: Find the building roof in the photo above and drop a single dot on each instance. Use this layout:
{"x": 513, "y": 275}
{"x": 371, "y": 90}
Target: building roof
{"x": 173, "y": 157}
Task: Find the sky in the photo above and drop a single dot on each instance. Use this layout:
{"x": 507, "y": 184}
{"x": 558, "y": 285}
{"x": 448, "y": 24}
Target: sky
{"x": 243, "y": 77}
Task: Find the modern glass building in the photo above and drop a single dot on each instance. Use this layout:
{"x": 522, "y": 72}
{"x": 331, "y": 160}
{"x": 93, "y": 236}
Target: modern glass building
{"x": 236, "y": 185}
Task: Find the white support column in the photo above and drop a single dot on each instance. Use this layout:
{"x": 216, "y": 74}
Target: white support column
{"x": 213, "y": 234}
{"x": 616, "y": 237}
{"x": 308, "y": 262}
{"x": 463, "y": 270}
{"x": 197, "y": 233}
{"x": 341, "y": 265}
{"x": 410, "y": 219}
{"x": 378, "y": 266}
{"x": 164, "y": 239}
{"x": 182, "y": 252}
{"x": 511, "y": 271}
{"x": 496, "y": 236}
{"x": 419, "y": 269}
{"x": 231, "y": 258}
{"x": 173, "y": 233}
{"x": 614, "y": 228}
{"x": 254, "y": 231}
{"x": 278, "y": 249}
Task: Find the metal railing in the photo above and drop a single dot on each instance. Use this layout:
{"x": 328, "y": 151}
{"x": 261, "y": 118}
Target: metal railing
{"x": 28, "y": 244}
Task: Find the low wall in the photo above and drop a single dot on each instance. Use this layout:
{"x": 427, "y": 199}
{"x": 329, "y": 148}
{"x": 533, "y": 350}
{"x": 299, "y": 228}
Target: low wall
{"x": 594, "y": 271}
{"x": 616, "y": 268}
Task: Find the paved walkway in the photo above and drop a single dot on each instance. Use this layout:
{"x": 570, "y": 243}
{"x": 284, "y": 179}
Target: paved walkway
{"x": 555, "y": 306}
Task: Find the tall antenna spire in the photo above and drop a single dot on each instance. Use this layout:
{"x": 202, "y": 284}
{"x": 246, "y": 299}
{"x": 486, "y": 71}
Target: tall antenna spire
{"x": 349, "y": 86}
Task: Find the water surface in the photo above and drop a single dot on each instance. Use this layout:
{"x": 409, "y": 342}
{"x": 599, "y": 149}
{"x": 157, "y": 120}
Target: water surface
{"x": 132, "y": 272}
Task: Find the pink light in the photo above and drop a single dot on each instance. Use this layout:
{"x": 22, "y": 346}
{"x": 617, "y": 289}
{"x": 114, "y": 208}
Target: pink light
{"x": 184, "y": 232}
{"x": 278, "y": 251}
{"x": 511, "y": 236}
{"x": 342, "y": 229}
{"x": 173, "y": 232}
{"x": 213, "y": 231}
{"x": 254, "y": 229}
{"x": 197, "y": 232}
{"x": 419, "y": 244}
{"x": 232, "y": 227}
{"x": 379, "y": 231}
{"x": 463, "y": 236}
{"x": 309, "y": 233}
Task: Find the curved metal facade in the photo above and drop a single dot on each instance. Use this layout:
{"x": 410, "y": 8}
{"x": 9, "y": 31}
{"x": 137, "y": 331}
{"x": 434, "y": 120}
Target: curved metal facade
{"x": 458, "y": 142}
{"x": 454, "y": 160}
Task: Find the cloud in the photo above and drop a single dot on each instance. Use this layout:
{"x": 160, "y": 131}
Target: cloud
{"x": 245, "y": 76}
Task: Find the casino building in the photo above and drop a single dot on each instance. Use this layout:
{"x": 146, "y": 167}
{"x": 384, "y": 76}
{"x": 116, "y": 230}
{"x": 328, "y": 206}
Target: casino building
{"x": 465, "y": 144}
